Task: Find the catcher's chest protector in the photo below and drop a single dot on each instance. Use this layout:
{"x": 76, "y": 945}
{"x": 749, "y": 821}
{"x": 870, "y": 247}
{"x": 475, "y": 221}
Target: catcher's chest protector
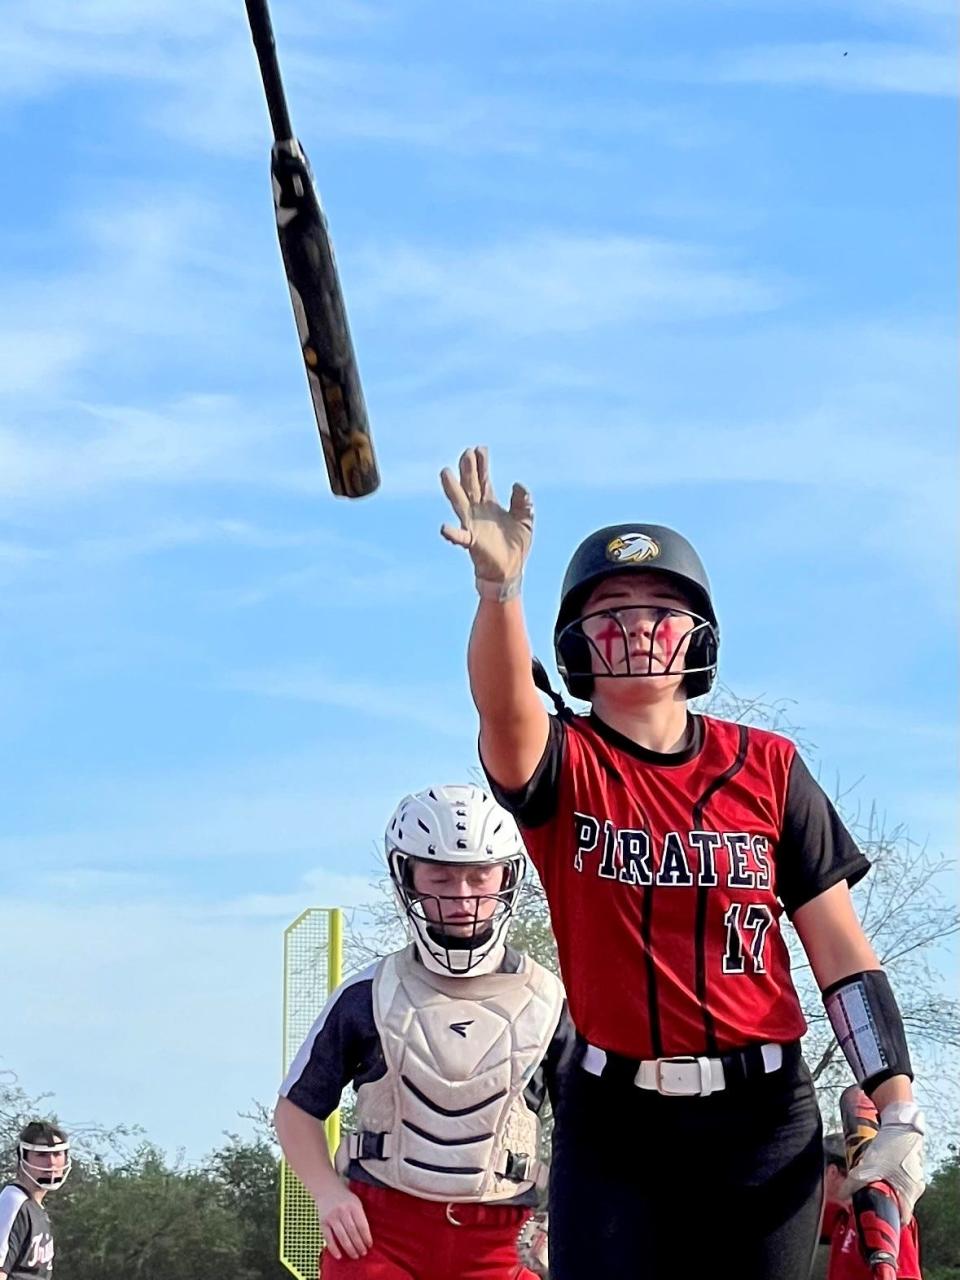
{"x": 449, "y": 1121}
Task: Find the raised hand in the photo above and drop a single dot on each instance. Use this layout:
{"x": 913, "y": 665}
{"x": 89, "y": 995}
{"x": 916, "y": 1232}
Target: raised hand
{"x": 497, "y": 538}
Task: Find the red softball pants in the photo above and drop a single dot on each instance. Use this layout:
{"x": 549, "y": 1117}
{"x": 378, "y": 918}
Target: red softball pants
{"x": 415, "y": 1239}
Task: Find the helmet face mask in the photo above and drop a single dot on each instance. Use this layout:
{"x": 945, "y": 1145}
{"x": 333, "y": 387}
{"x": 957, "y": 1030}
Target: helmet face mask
{"x": 602, "y": 644}
{"x": 40, "y": 1173}
{"x": 588, "y": 644}
{"x": 459, "y": 934}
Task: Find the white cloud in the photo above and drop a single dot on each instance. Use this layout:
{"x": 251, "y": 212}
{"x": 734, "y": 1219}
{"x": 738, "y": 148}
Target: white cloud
{"x": 34, "y": 355}
{"x": 316, "y": 888}
{"x": 154, "y": 278}
{"x": 551, "y": 282}
{"x": 859, "y": 406}
{"x": 329, "y": 798}
{"x": 428, "y": 707}
{"x": 196, "y": 77}
{"x": 111, "y": 446}
{"x": 846, "y": 66}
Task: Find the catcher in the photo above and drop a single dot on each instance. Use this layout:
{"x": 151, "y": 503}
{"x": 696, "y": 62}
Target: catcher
{"x": 452, "y": 1044}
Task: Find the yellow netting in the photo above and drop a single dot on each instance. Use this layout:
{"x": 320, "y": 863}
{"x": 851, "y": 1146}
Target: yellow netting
{"x": 312, "y": 968}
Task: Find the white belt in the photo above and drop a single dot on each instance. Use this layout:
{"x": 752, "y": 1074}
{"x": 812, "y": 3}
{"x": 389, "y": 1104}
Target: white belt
{"x": 680, "y": 1077}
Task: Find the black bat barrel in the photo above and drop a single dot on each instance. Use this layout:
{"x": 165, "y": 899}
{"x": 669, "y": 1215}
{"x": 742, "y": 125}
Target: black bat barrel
{"x": 322, "y": 325}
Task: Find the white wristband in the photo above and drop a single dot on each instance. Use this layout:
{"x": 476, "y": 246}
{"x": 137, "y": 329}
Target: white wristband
{"x": 499, "y": 591}
{"x": 907, "y": 1113}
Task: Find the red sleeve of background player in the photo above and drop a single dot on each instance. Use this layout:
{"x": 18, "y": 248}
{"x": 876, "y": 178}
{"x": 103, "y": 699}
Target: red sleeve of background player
{"x": 908, "y": 1264}
{"x": 847, "y": 1262}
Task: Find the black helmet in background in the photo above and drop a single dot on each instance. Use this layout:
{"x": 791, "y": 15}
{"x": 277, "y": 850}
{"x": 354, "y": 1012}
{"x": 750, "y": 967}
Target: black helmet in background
{"x": 624, "y": 548}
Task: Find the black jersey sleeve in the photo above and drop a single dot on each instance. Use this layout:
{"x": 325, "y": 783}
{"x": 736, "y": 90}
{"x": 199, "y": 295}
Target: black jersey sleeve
{"x": 343, "y": 1045}
{"x": 560, "y": 1055}
{"x": 535, "y": 804}
{"x": 815, "y": 850}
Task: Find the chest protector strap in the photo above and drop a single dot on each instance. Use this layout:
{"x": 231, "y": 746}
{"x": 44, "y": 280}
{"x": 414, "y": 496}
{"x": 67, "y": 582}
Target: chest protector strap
{"x": 449, "y": 1120}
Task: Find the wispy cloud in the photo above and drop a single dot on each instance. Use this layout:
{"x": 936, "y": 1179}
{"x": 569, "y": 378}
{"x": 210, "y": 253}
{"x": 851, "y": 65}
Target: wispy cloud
{"x": 322, "y": 803}
{"x": 144, "y": 265}
{"x": 551, "y": 282}
{"x": 109, "y": 446}
{"x": 845, "y": 66}
{"x": 848, "y": 64}
{"x": 195, "y": 77}
{"x": 426, "y": 707}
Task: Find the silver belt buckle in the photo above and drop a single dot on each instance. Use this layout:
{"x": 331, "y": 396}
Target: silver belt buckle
{"x": 680, "y": 1077}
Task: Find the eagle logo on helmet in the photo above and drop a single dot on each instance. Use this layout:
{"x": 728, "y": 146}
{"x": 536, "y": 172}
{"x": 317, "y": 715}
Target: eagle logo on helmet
{"x": 632, "y": 548}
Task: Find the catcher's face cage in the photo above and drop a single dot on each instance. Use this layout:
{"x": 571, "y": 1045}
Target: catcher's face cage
{"x": 633, "y": 641}
{"x": 41, "y": 1174}
{"x": 477, "y": 949}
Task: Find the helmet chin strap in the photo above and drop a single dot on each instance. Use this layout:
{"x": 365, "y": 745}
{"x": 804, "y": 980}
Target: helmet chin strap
{"x": 453, "y": 942}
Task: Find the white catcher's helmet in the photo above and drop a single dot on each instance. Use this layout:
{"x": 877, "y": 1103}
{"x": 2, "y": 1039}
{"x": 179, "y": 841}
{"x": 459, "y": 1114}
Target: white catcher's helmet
{"x": 461, "y": 825}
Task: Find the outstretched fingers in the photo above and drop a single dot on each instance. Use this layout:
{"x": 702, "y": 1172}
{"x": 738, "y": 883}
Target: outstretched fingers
{"x": 521, "y": 505}
{"x": 470, "y": 475}
{"x": 483, "y": 473}
{"x": 456, "y": 496}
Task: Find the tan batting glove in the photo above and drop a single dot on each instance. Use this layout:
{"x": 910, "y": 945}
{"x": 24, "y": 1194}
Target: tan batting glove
{"x": 895, "y": 1156}
{"x": 498, "y": 540}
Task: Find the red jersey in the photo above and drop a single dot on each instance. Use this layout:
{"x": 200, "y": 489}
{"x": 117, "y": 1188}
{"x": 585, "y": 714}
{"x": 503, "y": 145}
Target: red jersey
{"x": 667, "y": 874}
{"x": 847, "y": 1262}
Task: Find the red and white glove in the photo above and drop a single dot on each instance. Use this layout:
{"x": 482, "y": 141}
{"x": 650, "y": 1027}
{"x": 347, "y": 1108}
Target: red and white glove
{"x": 895, "y": 1156}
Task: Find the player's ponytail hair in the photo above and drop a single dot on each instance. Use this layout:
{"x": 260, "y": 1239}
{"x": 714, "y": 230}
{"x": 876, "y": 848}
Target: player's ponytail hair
{"x": 542, "y": 681}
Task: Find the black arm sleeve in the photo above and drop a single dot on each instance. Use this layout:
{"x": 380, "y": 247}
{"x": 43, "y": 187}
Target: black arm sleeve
{"x": 536, "y": 803}
{"x": 815, "y": 850}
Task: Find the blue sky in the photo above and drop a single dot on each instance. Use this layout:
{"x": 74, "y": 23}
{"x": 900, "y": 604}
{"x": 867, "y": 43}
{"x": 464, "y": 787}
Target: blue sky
{"x": 689, "y": 261}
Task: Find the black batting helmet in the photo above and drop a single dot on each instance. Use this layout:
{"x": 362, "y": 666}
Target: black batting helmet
{"x": 625, "y": 548}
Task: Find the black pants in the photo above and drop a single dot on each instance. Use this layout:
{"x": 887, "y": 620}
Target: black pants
{"x": 644, "y": 1187}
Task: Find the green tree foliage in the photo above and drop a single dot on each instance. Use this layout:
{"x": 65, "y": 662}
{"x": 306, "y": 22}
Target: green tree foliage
{"x": 938, "y": 1216}
{"x": 144, "y": 1217}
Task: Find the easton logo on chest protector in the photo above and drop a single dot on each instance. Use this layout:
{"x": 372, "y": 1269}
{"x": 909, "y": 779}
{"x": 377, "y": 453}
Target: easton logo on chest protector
{"x": 461, "y": 1027}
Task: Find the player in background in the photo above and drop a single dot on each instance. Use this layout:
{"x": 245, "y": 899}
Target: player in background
{"x": 452, "y": 1044}
{"x": 26, "y": 1237}
{"x": 669, "y": 845}
{"x": 838, "y": 1231}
